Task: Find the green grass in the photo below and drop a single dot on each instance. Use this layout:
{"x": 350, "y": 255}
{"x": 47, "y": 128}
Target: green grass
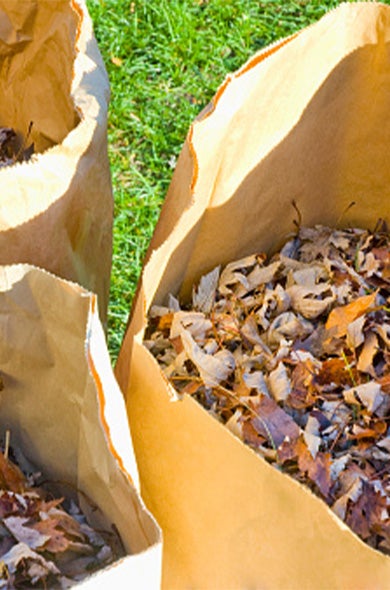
{"x": 165, "y": 60}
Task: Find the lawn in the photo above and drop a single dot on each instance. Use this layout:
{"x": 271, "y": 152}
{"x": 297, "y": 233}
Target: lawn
{"x": 165, "y": 60}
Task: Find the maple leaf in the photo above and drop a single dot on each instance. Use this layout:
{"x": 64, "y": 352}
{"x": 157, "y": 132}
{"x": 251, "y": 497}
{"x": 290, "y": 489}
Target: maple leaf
{"x": 57, "y": 540}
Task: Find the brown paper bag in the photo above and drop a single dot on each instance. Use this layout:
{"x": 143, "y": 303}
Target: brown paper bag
{"x": 66, "y": 414}
{"x": 306, "y": 119}
{"x": 56, "y": 209}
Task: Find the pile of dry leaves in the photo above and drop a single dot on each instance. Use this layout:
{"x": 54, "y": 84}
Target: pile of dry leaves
{"x": 42, "y": 544}
{"x": 293, "y": 356}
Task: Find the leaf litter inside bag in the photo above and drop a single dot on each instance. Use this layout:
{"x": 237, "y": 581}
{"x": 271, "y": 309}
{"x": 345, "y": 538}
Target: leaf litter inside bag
{"x": 293, "y": 355}
{"x": 45, "y": 541}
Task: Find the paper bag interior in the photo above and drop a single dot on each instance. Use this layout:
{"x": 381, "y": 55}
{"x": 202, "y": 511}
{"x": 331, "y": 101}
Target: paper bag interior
{"x": 37, "y": 52}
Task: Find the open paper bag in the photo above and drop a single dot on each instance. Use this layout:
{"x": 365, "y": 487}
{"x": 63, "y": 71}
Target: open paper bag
{"x": 305, "y": 120}
{"x": 65, "y": 412}
{"x": 56, "y": 208}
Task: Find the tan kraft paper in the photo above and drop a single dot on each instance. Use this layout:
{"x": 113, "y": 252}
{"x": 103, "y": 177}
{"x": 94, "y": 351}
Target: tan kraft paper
{"x": 305, "y": 119}
{"x": 56, "y": 209}
{"x": 66, "y": 413}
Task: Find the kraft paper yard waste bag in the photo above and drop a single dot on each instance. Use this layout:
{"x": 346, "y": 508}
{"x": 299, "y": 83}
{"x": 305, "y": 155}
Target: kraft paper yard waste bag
{"x": 56, "y": 208}
{"x": 305, "y": 120}
{"x": 65, "y": 413}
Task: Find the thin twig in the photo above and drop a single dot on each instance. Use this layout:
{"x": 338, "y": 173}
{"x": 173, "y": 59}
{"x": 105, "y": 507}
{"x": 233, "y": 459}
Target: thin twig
{"x": 7, "y": 444}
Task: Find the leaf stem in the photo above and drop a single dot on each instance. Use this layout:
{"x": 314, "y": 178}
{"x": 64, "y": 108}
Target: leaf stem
{"x": 349, "y": 369}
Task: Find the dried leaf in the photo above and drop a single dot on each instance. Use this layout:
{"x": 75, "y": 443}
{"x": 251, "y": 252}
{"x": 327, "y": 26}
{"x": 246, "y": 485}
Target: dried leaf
{"x": 340, "y": 317}
{"x": 334, "y": 371}
{"x": 385, "y": 443}
{"x": 384, "y": 382}
{"x": 318, "y": 468}
{"x": 256, "y": 381}
{"x": 250, "y": 331}
{"x": 370, "y": 394}
{"x": 367, "y": 511}
{"x": 11, "y": 478}
{"x": 366, "y": 357}
{"x": 57, "y": 539}
{"x": 273, "y": 423}
{"x": 193, "y": 322}
{"x": 22, "y": 552}
{"x": 33, "y": 527}
{"x": 355, "y": 335}
{"x": 261, "y": 275}
{"x": 288, "y": 325}
{"x": 313, "y": 443}
{"x": 302, "y": 383}
{"x": 234, "y": 424}
{"x": 213, "y": 369}
{"x": 304, "y": 300}
{"x": 24, "y": 534}
{"x": 311, "y": 435}
{"x": 352, "y": 494}
{"x": 279, "y": 383}
{"x": 10, "y": 152}
{"x": 230, "y": 275}
{"x": 204, "y": 296}
{"x": 338, "y": 465}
